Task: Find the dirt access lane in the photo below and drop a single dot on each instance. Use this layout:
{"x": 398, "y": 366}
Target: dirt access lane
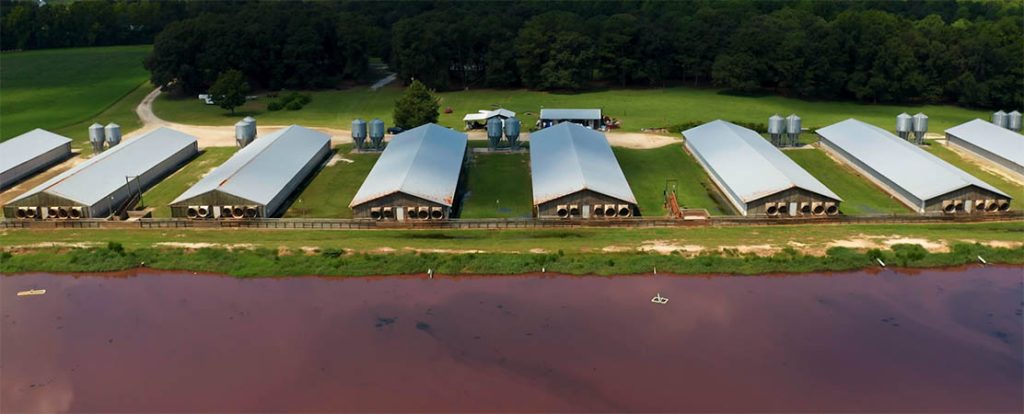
{"x": 224, "y": 136}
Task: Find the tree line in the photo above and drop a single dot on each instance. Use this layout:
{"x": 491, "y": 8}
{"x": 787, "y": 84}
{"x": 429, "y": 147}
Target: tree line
{"x": 965, "y": 52}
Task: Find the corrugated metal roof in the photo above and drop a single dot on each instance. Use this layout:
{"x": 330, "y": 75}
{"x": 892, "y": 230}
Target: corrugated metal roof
{"x": 25, "y": 147}
{"x": 749, "y": 165}
{"x": 424, "y": 162}
{"x": 89, "y": 182}
{"x": 567, "y": 158}
{"x": 992, "y": 138}
{"x": 913, "y": 169}
{"x": 262, "y": 169}
{"x": 485, "y": 114}
{"x": 570, "y": 114}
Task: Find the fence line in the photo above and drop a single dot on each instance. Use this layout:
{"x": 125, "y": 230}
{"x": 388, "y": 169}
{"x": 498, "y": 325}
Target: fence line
{"x": 512, "y": 223}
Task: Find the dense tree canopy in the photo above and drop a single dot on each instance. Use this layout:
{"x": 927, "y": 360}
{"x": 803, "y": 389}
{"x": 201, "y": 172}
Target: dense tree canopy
{"x": 416, "y": 107}
{"x": 229, "y": 90}
{"x": 967, "y": 52}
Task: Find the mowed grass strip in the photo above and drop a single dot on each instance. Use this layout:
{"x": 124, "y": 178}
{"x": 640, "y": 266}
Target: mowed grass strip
{"x": 332, "y": 188}
{"x": 636, "y": 108}
{"x": 498, "y": 186}
{"x": 859, "y": 195}
{"x": 160, "y": 195}
{"x": 58, "y": 88}
{"x": 575, "y": 240}
{"x": 1016, "y": 191}
{"x": 648, "y": 170}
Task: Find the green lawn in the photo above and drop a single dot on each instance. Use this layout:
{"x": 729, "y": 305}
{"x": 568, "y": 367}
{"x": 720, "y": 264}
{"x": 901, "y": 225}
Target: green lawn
{"x": 499, "y": 186}
{"x": 160, "y": 195}
{"x": 1015, "y": 191}
{"x": 859, "y": 195}
{"x": 332, "y": 188}
{"x": 636, "y": 108}
{"x": 65, "y": 90}
{"x": 648, "y": 170}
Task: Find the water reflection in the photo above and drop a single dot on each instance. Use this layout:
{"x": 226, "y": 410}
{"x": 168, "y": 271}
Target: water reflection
{"x": 144, "y": 342}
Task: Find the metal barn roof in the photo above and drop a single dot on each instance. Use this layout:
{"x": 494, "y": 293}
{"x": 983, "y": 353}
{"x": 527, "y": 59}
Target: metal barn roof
{"x": 992, "y": 138}
{"x": 483, "y": 115}
{"x": 746, "y": 163}
{"x": 423, "y": 162}
{"x": 568, "y": 158}
{"x": 89, "y": 182}
{"x": 262, "y": 169}
{"x": 570, "y": 114}
{"x": 913, "y": 169}
{"x": 25, "y": 147}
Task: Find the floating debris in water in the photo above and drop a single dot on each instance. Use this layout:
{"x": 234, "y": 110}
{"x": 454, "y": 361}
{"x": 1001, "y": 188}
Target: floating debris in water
{"x": 661, "y": 300}
{"x": 33, "y": 292}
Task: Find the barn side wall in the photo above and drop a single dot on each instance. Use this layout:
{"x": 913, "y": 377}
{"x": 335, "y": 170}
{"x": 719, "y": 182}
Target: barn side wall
{"x": 12, "y": 176}
{"x": 396, "y": 200}
{"x": 585, "y": 199}
{"x": 795, "y": 200}
{"x": 969, "y": 195}
{"x": 983, "y": 153}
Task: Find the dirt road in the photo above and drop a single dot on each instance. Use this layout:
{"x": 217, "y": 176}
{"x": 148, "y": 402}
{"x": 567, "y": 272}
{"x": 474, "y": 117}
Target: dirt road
{"x": 224, "y": 136}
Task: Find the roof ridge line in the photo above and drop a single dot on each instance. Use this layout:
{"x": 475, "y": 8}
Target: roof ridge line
{"x": 279, "y": 134}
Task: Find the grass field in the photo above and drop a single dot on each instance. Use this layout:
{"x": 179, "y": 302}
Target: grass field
{"x": 64, "y": 90}
{"x": 160, "y": 195}
{"x": 327, "y": 195}
{"x": 636, "y": 108}
{"x": 1015, "y": 191}
{"x": 859, "y": 195}
{"x": 647, "y": 172}
{"x": 499, "y": 186}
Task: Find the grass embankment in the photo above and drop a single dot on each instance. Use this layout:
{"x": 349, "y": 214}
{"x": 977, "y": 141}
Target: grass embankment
{"x": 65, "y": 90}
{"x": 330, "y": 191}
{"x": 499, "y": 186}
{"x": 813, "y": 238}
{"x": 1016, "y": 191}
{"x": 337, "y": 262}
{"x": 636, "y": 108}
{"x": 859, "y": 195}
{"x": 160, "y": 195}
{"x": 647, "y": 172}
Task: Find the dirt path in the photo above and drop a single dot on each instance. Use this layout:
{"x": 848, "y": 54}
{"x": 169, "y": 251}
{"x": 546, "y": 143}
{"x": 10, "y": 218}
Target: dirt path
{"x": 224, "y": 136}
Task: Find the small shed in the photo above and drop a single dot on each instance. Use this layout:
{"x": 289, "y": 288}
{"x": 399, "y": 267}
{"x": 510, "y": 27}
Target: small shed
{"x": 479, "y": 119}
{"x": 590, "y": 118}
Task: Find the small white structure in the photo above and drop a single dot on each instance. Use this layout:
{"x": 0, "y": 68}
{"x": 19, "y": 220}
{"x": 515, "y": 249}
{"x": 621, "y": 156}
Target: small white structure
{"x": 479, "y": 119}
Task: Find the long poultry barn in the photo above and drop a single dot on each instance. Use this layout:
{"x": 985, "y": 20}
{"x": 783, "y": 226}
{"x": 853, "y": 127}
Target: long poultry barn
{"x": 922, "y": 181}
{"x": 755, "y": 176}
{"x": 108, "y": 182}
{"x": 991, "y": 142}
{"x": 417, "y": 177}
{"x": 29, "y": 153}
{"x": 259, "y": 179}
{"x": 575, "y": 175}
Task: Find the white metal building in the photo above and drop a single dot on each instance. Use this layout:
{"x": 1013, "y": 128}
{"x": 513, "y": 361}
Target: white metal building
{"x": 914, "y": 176}
{"x": 29, "y": 153}
{"x": 416, "y": 177}
{"x": 755, "y": 176}
{"x": 575, "y": 175}
{"x": 259, "y": 179}
{"x": 991, "y": 142}
{"x": 109, "y": 180}
{"x": 590, "y": 118}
